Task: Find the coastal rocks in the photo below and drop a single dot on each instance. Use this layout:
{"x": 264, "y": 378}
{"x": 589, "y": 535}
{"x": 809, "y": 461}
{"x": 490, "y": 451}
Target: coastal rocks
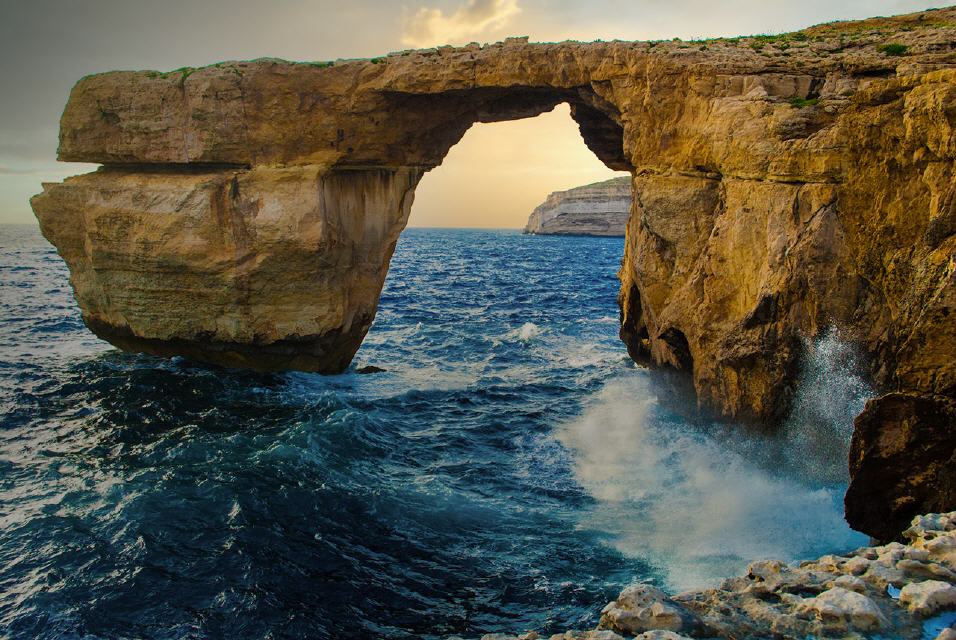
{"x": 848, "y": 596}
{"x": 247, "y": 210}
{"x": 642, "y": 607}
{"x": 846, "y": 609}
{"x": 369, "y": 369}
{"x": 927, "y": 597}
{"x": 598, "y": 634}
{"x": 599, "y": 209}
{"x": 838, "y": 596}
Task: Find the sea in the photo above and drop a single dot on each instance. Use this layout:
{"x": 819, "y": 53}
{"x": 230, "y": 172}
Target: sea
{"x": 510, "y": 469}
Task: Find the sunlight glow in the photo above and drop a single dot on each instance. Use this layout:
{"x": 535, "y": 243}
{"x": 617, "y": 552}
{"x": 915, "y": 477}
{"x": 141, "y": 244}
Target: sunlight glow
{"x": 500, "y": 172}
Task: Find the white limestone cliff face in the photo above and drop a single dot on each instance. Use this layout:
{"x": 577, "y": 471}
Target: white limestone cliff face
{"x": 599, "y": 209}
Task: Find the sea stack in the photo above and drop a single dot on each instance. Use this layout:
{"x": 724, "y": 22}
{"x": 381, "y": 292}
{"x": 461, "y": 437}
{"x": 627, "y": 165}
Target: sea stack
{"x": 598, "y": 209}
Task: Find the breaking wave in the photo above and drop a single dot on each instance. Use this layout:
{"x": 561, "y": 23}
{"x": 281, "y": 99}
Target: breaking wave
{"x": 702, "y": 500}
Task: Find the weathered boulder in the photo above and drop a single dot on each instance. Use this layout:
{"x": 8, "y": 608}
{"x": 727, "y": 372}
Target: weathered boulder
{"x": 902, "y": 458}
{"x": 660, "y": 635}
{"x": 643, "y": 607}
{"x": 845, "y": 609}
{"x": 599, "y": 209}
{"x": 927, "y": 597}
{"x": 248, "y": 210}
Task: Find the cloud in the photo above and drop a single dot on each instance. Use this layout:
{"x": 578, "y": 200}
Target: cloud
{"x": 474, "y": 20}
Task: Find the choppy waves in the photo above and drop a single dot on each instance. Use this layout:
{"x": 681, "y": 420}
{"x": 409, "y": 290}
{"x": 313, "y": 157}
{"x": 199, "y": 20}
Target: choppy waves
{"x": 510, "y": 469}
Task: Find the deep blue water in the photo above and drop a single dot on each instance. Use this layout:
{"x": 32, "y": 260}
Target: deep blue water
{"x": 511, "y": 469}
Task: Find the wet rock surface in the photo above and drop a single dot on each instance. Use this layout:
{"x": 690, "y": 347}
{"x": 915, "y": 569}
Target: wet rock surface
{"x": 889, "y": 591}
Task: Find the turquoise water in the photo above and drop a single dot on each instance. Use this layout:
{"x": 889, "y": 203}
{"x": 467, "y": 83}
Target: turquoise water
{"x": 511, "y": 469}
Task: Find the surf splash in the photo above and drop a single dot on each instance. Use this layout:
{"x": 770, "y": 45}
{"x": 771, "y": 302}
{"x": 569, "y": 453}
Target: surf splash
{"x": 831, "y": 392}
{"x": 702, "y": 500}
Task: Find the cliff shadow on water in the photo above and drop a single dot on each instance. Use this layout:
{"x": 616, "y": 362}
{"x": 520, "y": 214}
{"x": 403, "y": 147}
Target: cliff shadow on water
{"x": 700, "y": 499}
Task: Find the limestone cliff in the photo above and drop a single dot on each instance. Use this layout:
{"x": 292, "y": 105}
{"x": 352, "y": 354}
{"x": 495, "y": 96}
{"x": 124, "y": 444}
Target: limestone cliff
{"x": 266, "y": 268}
{"x": 247, "y": 211}
{"x": 599, "y": 209}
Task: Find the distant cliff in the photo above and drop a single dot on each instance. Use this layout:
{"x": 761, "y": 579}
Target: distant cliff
{"x": 598, "y": 209}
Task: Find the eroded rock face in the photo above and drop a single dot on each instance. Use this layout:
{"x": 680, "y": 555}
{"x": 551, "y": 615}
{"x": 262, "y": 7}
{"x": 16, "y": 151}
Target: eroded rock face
{"x": 599, "y": 209}
{"x": 267, "y": 268}
{"x": 248, "y": 209}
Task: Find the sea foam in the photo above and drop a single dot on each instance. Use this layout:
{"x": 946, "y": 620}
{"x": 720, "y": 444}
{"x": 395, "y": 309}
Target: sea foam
{"x": 702, "y": 500}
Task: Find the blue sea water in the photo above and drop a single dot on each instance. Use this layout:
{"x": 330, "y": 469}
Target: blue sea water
{"x": 511, "y": 469}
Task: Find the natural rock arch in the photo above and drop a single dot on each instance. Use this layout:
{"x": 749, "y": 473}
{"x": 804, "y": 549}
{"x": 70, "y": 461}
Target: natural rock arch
{"x": 227, "y": 158}
{"x": 246, "y": 212}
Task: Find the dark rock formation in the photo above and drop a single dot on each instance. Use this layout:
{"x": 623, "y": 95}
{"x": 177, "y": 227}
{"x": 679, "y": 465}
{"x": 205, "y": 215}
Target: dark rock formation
{"x": 902, "y": 457}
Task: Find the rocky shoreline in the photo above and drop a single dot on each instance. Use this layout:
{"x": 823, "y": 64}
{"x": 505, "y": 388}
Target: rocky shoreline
{"x": 901, "y": 591}
{"x": 599, "y": 209}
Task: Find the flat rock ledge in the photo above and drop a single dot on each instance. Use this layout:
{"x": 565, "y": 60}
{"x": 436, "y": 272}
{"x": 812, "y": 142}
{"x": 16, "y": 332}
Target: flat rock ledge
{"x": 890, "y": 591}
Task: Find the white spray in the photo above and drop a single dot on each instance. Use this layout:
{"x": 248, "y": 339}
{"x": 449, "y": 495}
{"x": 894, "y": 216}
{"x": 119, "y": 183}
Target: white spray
{"x": 701, "y": 502}
{"x": 831, "y": 391}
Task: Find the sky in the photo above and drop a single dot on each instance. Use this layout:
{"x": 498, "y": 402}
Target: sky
{"x": 492, "y": 178}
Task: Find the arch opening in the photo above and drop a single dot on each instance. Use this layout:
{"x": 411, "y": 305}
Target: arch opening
{"x": 520, "y": 148}
{"x": 431, "y": 124}
{"x": 502, "y": 168}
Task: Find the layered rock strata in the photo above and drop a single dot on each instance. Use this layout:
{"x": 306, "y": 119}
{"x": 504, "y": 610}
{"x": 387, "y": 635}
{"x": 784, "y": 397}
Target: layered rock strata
{"x": 267, "y": 267}
{"x": 599, "y": 209}
{"x": 889, "y": 591}
{"x": 246, "y": 211}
